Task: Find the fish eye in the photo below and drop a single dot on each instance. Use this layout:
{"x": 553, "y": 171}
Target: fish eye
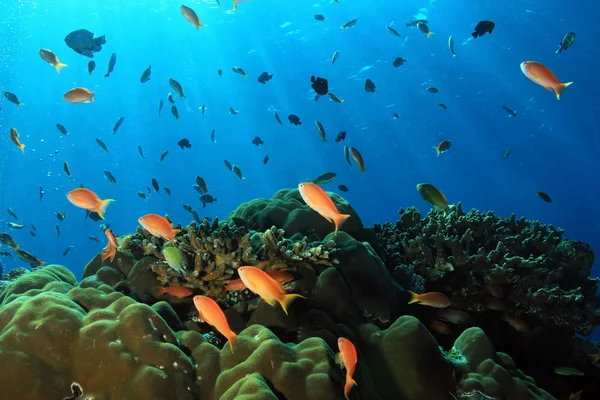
{"x": 301, "y": 185}
{"x": 340, "y": 340}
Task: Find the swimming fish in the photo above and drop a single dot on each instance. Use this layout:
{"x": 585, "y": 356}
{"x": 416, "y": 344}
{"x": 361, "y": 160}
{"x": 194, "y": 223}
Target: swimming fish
{"x": 482, "y": 28}
{"x": 110, "y": 177}
{"x": 212, "y": 314}
{"x": 347, "y": 155}
{"x": 91, "y": 67}
{"x": 12, "y": 213}
{"x": 321, "y": 131}
{"x": 393, "y": 31}
{"x": 398, "y": 62}
{"x": 233, "y": 111}
{"x": 340, "y": 136}
{"x": 177, "y": 87}
{"x": 541, "y": 75}
{"x": 358, "y": 159}
{"x": 62, "y": 129}
{"x": 110, "y": 251}
{"x": 155, "y": 185}
{"x": 227, "y": 165}
{"x": 320, "y": 17}
{"x": 349, "y": 24}
{"x": 141, "y": 151}
{"x": 237, "y": 171}
{"x": 506, "y": 153}
{"x": 516, "y": 323}
{"x": 343, "y": 188}
{"x": 111, "y": 64}
{"x": 11, "y": 97}
{"x": 61, "y": 216}
{"x": 260, "y": 283}
{"x": 348, "y": 358}
{"x": 14, "y": 225}
{"x": 79, "y": 95}
{"x": 510, "y": 112}
{"x": 317, "y": 199}
{"x": 8, "y": 240}
{"x": 451, "y": 46}
{"x": 29, "y": 258}
{"x": 86, "y": 199}
{"x": 67, "y": 250}
{"x": 278, "y": 119}
{"x": 212, "y": 136}
{"x": 279, "y": 275}
{"x": 544, "y": 196}
{"x": 170, "y": 98}
{"x": 431, "y": 299}
{"x": 175, "y": 260}
{"x": 335, "y": 98}
{"x": 52, "y": 59}
{"x": 177, "y": 291}
{"x": 434, "y": 196}
{"x": 369, "y": 86}
{"x": 266, "y": 159}
{"x": 202, "y": 185}
{"x": 207, "y": 199}
{"x": 184, "y": 144}
{"x": 118, "y": 125}
{"x": 239, "y": 71}
{"x": 567, "y": 40}
{"x": 265, "y": 77}
{"x": 175, "y": 112}
{"x": 158, "y": 226}
{"x": 14, "y": 136}
{"x": 83, "y": 42}
{"x": 335, "y": 56}
{"x": 146, "y": 74}
{"x": 191, "y": 16}
{"x": 164, "y": 155}
{"x": 443, "y": 146}
{"x": 325, "y": 178}
{"x": 102, "y": 144}
{"x": 294, "y": 120}
{"x": 425, "y": 29}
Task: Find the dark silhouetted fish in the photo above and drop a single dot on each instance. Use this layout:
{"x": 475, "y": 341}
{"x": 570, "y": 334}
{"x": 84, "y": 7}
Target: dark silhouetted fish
{"x": 11, "y": 97}
{"x": 141, "y": 151}
{"x": 84, "y": 43}
{"x": 184, "y": 144}
{"x": 511, "y": 113}
{"x": 278, "y": 119}
{"x": 91, "y": 67}
{"x": 257, "y": 141}
{"x": 111, "y": 64}
{"x": 62, "y": 129}
{"x": 212, "y": 136}
{"x": 207, "y": 199}
{"x": 266, "y": 160}
{"x": 146, "y": 74}
{"x": 294, "y": 119}
{"x": 398, "y": 61}
{"x": 102, "y": 144}
{"x": 175, "y": 112}
{"x": 340, "y": 136}
{"x": 369, "y": 86}
{"x": 319, "y": 85}
{"x": 118, "y": 125}
{"x": 482, "y": 28}
{"x": 164, "y": 155}
{"x": 155, "y": 185}
{"x": 265, "y": 77}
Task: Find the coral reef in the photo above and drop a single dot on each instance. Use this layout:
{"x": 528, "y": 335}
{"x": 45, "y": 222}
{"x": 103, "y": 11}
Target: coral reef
{"x": 536, "y": 274}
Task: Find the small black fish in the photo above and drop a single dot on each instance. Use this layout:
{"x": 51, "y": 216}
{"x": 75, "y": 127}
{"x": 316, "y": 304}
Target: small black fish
{"x": 91, "y": 67}
{"x": 94, "y": 239}
{"x": 482, "y": 28}
{"x": 445, "y": 107}
{"x": 265, "y": 77}
{"x": 177, "y": 88}
{"x": 140, "y": 150}
{"x": 160, "y": 106}
{"x": 148, "y": 190}
{"x": 67, "y": 250}
{"x": 155, "y": 185}
{"x": 340, "y": 136}
{"x": 11, "y": 97}
{"x": 266, "y": 159}
{"x": 57, "y": 231}
{"x": 320, "y": 17}
{"x": 33, "y": 230}
{"x": 278, "y": 119}
{"x": 146, "y": 74}
{"x": 233, "y": 111}
{"x": 227, "y": 164}
{"x": 167, "y": 190}
{"x": 118, "y": 125}
{"x": 203, "y": 109}
{"x": 201, "y": 183}
{"x": 111, "y": 64}
{"x": 92, "y": 215}
{"x": 294, "y": 119}
{"x": 319, "y": 85}
{"x": 164, "y": 155}
{"x": 12, "y": 213}
{"x": 511, "y": 113}
{"x": 343, "y": 188}
{"x": 398, "y": 61}
{"x": 61, "y": 215}
{"x": 195, "y": 216}
{"x": 41, "y": 193}
{"x": 66, "y": 169}
{"x": 425, "y": 29}
{"x": 170, "y": 98}
{"x": 175, "y": 112}
{"x": 394, "y": 32}
{"x": 257, "y": 141}
{"x": 184, "y": 144}
{"x": 111, "y": 178}
{"x": 237, "y": 171}
{"x": 416, "y": 22}
{"x": 142, "y": 195}
{"x": 220, "y": 72}
{"x": 62, "y": 129}
{"x": 369, "y": 86}
{"x": 544, "y": 196}
{"x": 506, "y": 153}
{"x": 101, "y": 144}
{"x": 212, "y": 136}
{"x": 207, "y": 199}
{"x": 433, "y": 90}
{"x": 395, "y": 114}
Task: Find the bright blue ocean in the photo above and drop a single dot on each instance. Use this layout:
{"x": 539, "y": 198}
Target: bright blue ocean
{"x": 554, "y": 143}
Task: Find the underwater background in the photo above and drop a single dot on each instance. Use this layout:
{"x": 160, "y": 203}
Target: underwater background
{"x": 553, "y": 143}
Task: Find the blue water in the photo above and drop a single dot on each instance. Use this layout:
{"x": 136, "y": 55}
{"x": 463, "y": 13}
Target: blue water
{"x": 554, "y": 143}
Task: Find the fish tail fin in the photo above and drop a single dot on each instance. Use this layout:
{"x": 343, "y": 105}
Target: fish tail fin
{"x": 474, "y": 34}
{"x": 20, "y": 105}
{"x": 22, "y": 147}
{"x": 429, "y": 34}
{"x": 288, "y": 299}
{"x": 362, "y": 169}
{"x": 43, "y": 263}
{"x": 59, "y": 66}
{"x": 231, "y": 338}
{"x": 339, "y": 220}
{"x": 561, "y": 88}
{"x": 414, "y": 297}
{"x": 348, "y": 387}
{"x": 103, "y": 206}
{"x": 437, "y": 150}
{"x": 453, "y": 55}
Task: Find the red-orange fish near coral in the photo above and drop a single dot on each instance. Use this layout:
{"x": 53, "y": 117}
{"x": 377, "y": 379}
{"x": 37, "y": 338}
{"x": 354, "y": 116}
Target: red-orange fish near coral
{"x": 158, "y": 226}
{"x": 238, "y": 285}
{"x": 85, "y": 198}
{"x": 211, "y": 313}
{"x": 431, "y": 299}
{"x": 348, "y": 358}
{"x": 540, "y": 74}
{"x": 177, "y": 291}
{"x": 319, "y": 200}
{"x": 110, "y": 251}
{"x": 260, "y": 283}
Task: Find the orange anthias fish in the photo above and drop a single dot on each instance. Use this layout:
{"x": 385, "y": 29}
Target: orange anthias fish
{"x": 79, "y": 95}
{"x": 158, "y": 226}
{"x": 110, "y": 251}
{"x": 14, "y": 136}
{"x": 431, "y": 299}
{"x": 238, "y": 285}
{"x": 318, "y": 200}
{"x": 211, "y": 313}
{"x": 260, "y": 283}
{"x": 85, "y": 198}
{"x": 541, "y": 75}
{"x": 348, "y": 358}
{"x": 191, "y": 16}
{"x": 177, "y": 291}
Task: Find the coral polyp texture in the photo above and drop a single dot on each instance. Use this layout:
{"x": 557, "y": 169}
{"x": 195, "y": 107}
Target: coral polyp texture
{"x": 119, "y": 333}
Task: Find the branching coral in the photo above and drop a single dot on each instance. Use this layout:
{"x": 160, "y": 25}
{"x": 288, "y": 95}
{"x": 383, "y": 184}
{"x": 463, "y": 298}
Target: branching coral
{"x": 543, "y": 276}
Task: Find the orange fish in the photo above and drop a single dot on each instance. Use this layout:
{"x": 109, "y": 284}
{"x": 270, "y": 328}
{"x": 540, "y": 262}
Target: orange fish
{"x": 14, "y": 136}
{"x": 191, "y": 16}
{"x": 177, "y": 291}
{"x": 211, "y": 313}
{"x": 52, "y": 59}
{"x": 79, "y": 95}
{"x": 348, "y": 358}
{"x": 110, "y": 251}
{"x": 538, "y": 73}
{"x": 260, "y": 283}
{"x": 318, "y": 200}
{"x": 439, "y": 327}
{"x": 280, "y": 276}
{"x": 85, "y": 198}
{"x": 431, "y": 299}
{"x": 158, "y": 226}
